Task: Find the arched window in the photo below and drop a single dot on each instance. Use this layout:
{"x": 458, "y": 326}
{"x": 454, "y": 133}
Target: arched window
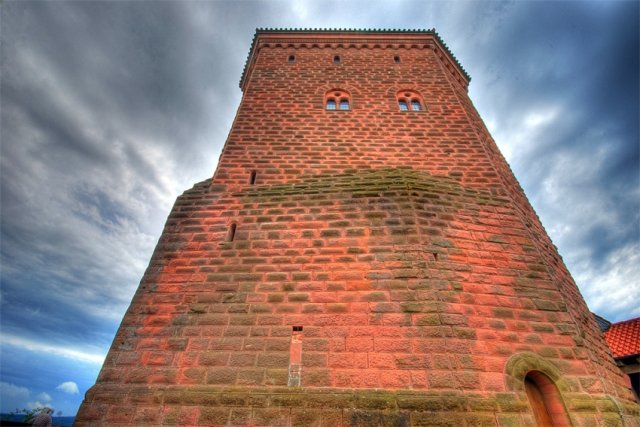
{"x": 545, "y": 400}
{"x": 409, "y": 100}
{"x": 337, "y": 100}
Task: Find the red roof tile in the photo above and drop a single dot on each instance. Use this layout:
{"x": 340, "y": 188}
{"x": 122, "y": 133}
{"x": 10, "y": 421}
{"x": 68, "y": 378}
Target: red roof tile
{"x": 623, "y": 338}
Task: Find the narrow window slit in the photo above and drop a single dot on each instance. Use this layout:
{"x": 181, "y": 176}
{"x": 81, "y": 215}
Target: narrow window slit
{"x": 435, "y": 256}
{"x": 396, "y": 59}
{"x": 297, "y": 328}
{"x": 336, "y": 59}
{"x": 252, "y": 178}
{"x": 232, "y": 232}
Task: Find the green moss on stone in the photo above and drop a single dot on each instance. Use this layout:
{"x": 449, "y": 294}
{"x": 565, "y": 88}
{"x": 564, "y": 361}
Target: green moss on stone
{"x": 198, "y": 308}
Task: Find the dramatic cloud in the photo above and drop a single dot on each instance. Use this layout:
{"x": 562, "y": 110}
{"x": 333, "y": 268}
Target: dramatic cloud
{"x": 64, "y": 351}
{"x": 12, "y": 391}
{"x": 42, "y": 400}
{"x": 44, "y": 397}
{"x": 15, "y": 398}
{"x": 68, "y": 387}
{"x": 109, "y": 110}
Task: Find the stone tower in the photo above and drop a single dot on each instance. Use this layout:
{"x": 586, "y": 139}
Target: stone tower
{"x": 362, "y": 256}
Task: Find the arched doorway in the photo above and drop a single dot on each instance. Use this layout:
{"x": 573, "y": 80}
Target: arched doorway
{"x": 545, "y": 400}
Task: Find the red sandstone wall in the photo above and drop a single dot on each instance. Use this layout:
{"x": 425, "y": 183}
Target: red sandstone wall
{"x": 587, "y": 331}
{"x": 400, "y": 242}
{"x": 283, "y": 131}
{"x": 586, "y": 328}
{"x": 360, "y": 273}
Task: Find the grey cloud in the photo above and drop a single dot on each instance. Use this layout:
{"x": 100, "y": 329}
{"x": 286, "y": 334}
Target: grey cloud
{"x": 109, "y": 110}
{"x": 580, "y": 169}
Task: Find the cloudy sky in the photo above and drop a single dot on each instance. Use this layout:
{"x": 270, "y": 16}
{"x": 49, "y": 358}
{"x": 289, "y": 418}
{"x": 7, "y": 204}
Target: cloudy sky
{"x": 111, "y": 109}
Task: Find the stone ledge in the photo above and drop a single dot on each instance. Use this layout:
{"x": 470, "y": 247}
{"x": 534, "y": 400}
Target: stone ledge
{"x": 217, "y": 405}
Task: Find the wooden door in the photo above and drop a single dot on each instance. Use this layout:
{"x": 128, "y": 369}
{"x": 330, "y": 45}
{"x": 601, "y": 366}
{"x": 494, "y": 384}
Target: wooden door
{"x": 540, "y": 411}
